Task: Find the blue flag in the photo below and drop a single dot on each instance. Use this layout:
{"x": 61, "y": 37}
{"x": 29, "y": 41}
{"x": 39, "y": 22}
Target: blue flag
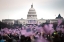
{"x": 28, "y": 29}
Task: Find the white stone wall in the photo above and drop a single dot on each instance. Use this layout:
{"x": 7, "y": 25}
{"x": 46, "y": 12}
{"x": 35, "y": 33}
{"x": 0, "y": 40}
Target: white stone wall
{"x": 22, "y": 22}
{"x": 53, "y": 20}
{"x": 41, "y": 21}
{"x": 29, "y": 21}
{"x": 10, "y": 22}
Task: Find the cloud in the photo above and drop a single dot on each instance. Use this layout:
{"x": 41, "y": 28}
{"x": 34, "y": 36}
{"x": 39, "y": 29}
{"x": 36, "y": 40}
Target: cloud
{"x": 53, "y": 4}
{"x": 8, "y": 7}
{"x": 9, "y": 4}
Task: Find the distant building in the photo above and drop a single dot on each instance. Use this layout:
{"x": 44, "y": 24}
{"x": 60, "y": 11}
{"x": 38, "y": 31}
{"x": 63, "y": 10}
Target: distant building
{"x": 31, "y": 19}
{"x": 8, "y": 21}
{"x": 59, "y": 17}
{"x": 56, "y": 19}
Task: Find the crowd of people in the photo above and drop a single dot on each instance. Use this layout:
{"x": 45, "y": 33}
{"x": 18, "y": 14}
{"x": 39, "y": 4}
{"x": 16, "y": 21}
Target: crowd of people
{"x": 46, "y": 32}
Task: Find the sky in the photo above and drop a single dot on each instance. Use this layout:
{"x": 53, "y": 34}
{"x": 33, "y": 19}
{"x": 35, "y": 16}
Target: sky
{"x": 17, "y": 9}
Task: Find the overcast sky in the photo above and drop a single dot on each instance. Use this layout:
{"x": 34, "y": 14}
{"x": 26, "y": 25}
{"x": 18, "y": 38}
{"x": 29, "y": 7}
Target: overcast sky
{"x": 17, "y": 9}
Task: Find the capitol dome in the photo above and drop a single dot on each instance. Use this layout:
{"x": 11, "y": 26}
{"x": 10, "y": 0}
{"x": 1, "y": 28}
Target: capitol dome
{"x": 32, "y": 13}
{"x": 32, "y": 10}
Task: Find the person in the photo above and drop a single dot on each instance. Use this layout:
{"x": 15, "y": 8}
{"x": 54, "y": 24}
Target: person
{"x": 61, "y": 32}
{"x": 50, "y": 28}
{"x": 23, "y": 39}
{"x": 56, "y": 37}
{"x": 1, "y": 40}
{"x": 9, "y": 40}
{"x": 45, "y": 27}
{"x": 28, "y": 39}
{"x": 58, "y": 28}
{"x": 39, "y": 37}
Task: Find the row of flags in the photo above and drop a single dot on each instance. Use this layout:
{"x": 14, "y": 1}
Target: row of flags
{"x": 30, "y": 30}
{"x": 20, "y": 31}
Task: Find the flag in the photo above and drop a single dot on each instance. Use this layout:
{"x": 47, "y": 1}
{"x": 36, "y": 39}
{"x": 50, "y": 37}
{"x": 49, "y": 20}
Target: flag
{"x": 59, "y": 21}
{"x": 28, "y": 29}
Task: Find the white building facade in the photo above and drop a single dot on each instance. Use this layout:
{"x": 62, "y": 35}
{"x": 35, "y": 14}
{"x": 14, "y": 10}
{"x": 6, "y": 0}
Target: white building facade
{"x": 31, "y": 19}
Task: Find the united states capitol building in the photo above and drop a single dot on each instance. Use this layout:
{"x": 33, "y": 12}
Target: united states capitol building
{"x": 31, "y": 19}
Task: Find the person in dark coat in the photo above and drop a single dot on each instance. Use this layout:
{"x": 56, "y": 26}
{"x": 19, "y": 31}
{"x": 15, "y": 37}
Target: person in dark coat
{"x": 23, "y": 39}
{"x": 28, "y": 39}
